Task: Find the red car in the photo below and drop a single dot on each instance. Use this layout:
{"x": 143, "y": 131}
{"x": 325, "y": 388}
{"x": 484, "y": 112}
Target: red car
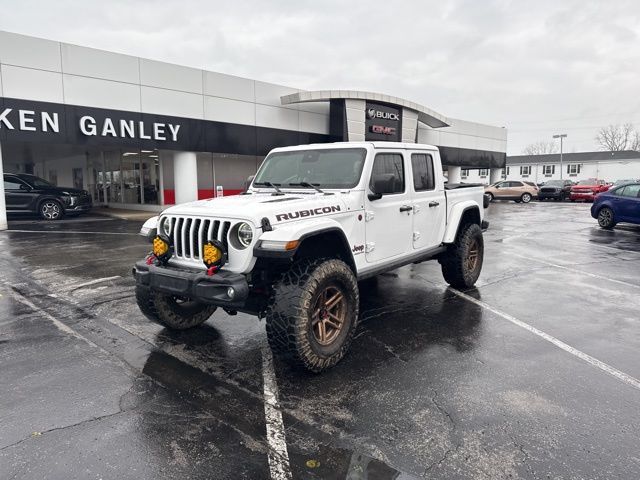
{"x": 588, "y": 189}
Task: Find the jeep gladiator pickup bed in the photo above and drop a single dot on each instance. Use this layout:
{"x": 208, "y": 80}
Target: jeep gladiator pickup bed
{"x": 314, "y": 221}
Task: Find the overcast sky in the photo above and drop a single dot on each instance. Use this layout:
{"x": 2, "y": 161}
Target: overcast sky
{"x": 535, "y": 67}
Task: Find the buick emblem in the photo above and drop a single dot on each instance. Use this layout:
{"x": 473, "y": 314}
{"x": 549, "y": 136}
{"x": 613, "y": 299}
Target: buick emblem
{"x": 371, "y": 113}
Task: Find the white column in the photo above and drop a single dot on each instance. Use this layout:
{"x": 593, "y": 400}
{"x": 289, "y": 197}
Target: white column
{"x": 454, "y": 174}
{"x": 3, "y": 206}
{"x": 495, "y": 176}
{"x": 354, "y": 110}
{"x": 185, "y": 176}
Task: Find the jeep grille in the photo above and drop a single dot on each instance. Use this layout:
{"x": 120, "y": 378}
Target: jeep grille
{"x": 189, "y": 234}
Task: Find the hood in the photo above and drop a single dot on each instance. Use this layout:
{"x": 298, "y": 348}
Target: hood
{"x": 256, "y": 206}
{"x": 61, "y": 190}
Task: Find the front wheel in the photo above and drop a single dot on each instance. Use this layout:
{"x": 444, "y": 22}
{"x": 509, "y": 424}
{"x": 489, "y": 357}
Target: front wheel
{"x": 176, "y": 313}
{"x": 313, "y": 313}
{"x": 50, "y": 210}
{"x": 525, "y": 198}
{"x": 491, "y": 197}
{"x": 462, "y": 263}
{"x": 605, "y": 218}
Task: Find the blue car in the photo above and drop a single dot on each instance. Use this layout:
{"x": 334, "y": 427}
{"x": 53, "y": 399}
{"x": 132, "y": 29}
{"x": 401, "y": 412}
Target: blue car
{"x": 619, "y": 204}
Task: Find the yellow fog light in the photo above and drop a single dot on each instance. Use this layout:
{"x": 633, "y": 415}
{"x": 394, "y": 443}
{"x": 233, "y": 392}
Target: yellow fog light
{"x": 161, "y": 248}
{"x": 213, "y": 254}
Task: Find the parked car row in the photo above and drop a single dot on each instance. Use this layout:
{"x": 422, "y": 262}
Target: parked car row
{"x": 558, "y": 190}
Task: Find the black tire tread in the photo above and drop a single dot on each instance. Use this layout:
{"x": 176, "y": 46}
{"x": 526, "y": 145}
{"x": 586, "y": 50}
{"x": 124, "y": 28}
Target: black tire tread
{"x": 157, "y": 307}
{"x": 452, "y": 261}
{"x": 287, "y": 312}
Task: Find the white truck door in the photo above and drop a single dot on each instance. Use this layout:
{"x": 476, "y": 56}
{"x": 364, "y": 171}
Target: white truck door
{"x": 429, "y": 202}
{"x": 388, "y": 218}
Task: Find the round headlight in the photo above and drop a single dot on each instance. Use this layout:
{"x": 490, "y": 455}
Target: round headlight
{"x": 166, "y": 226}
{"x": 245, "y": 234}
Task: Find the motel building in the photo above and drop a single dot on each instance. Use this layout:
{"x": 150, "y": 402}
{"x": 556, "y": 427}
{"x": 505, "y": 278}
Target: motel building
{"x": 142, "y": 134}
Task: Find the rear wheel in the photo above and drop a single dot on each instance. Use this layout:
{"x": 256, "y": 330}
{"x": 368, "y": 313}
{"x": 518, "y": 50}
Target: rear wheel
{"x": 606, "y": 218}
{"x": 462, "y": 263}
{"x": 313, "y": 313}
{"x": 526, "y": 198}
{"x": 51, "y": 210}
{"x": 176, "y": 313}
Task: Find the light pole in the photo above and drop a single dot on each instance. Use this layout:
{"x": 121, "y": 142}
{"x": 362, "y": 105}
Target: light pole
{"x": 560, "y": 136}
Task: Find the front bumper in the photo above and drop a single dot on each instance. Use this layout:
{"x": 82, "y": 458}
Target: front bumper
{"x": 589, "y": 197}
{"x": 78, "y": 209}
{"x": 543, "y": 195}
{"x": 196, "y": 285}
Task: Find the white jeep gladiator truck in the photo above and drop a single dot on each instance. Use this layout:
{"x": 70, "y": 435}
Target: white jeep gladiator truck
{"x": 314, "y": 221}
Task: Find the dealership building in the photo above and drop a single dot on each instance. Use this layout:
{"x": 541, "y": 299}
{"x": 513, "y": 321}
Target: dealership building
{"x": 141, "y": 134}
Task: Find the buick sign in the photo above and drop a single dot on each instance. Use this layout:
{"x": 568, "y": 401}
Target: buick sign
{"x": 373, "y": 113}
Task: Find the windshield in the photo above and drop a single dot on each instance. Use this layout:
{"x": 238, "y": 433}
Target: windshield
{"x": 624, "y": 182}
{"x": 591, "y": 181}
{"x": 554, "y": 183}
{"x": 37, "y": 182}
{"x": 326, "y": 168}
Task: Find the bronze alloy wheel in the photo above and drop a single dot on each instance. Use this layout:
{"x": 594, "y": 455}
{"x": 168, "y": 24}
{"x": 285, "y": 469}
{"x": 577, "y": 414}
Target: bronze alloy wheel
{"x": 328, "y": 315}
{"x": 472, "y": 257}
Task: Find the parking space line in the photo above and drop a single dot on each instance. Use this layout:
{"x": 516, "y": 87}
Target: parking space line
{"x": 278, "y": 454}
{"x": 628, "y": 379}
{"x": 574, "y": 270}
{"x": 75, "y": 232}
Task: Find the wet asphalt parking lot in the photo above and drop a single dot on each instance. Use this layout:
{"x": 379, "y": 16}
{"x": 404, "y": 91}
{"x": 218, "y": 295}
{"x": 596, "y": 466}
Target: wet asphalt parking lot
{"x": 533, "y": 374}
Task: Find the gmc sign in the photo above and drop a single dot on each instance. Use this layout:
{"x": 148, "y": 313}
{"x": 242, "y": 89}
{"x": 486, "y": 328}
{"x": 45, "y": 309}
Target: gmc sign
{"x": 383, "y": 122}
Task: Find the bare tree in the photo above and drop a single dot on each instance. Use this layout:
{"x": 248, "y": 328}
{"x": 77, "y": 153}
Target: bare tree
{"x": 541, "y": 147}
{"x": 618, "y": 137}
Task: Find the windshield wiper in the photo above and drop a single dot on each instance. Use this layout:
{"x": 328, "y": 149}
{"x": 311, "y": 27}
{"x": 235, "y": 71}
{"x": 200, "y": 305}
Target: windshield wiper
{"x": 272, "y": 185}
{"x": 309, "y": 185}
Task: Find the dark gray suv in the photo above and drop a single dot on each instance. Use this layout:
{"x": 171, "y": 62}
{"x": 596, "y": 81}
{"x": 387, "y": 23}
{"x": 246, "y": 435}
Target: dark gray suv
{"x": 26, "y": 193}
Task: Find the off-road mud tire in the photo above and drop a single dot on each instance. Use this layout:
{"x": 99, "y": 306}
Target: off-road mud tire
{"x": 456, "y": 268}
{"x": 291, "y": 307}
{"x": 167, "y": 311}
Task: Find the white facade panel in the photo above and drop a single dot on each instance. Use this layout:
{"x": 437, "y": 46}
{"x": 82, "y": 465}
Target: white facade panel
{"x": 171, "y": 102}
{"x": 277, "y": 117}
{"x": 90, "y": 62}
{"x": 269, "y": 94}
{"x": 315, "y": 107}
{"x": 229, "y": 86}
{"x": 608, "y": 171}
{"x": 94, "y": 92}
{"x": 314, "y": 122}
{"x": 232, "y": 111}
{"x": 27, "y": 83}
{"x": 167, "y": 75}
{"x": 31, "y": 52}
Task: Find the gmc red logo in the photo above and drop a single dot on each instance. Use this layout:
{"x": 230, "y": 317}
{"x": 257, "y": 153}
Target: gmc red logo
{"x": 383, "y": 130}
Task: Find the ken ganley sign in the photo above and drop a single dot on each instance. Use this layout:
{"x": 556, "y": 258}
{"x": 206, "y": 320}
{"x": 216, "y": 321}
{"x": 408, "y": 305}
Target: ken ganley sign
{"x": 24, "y": 120}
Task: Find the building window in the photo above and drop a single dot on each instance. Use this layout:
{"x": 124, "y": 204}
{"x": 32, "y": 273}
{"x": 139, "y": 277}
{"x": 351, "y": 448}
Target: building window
{"x": 525, "y": 170}
{"x": 573, "y": 169}
{"x": 464, "y": 173}
{"x": 548, "y": 170}
{"x": 484, "y": 172}
{"x": 503, "y": 174}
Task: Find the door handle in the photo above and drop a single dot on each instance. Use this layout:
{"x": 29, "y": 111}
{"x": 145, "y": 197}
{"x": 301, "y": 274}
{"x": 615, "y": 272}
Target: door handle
{"x": 406, "y": 208}
{"x": 434, "y": 204}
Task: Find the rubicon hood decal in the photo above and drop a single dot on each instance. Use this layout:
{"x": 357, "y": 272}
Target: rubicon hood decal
{"x": 307, "y": 213}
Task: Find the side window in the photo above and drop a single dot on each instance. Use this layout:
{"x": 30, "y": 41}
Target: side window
{"x": 389, "y": 168}
{"x": 630, "y": 191}
{"x": 12, "y": 184}
{"x": 422, "y": 166}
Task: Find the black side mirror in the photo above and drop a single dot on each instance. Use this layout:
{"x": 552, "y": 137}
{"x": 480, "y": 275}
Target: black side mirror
{"x": 382, "y": 184}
